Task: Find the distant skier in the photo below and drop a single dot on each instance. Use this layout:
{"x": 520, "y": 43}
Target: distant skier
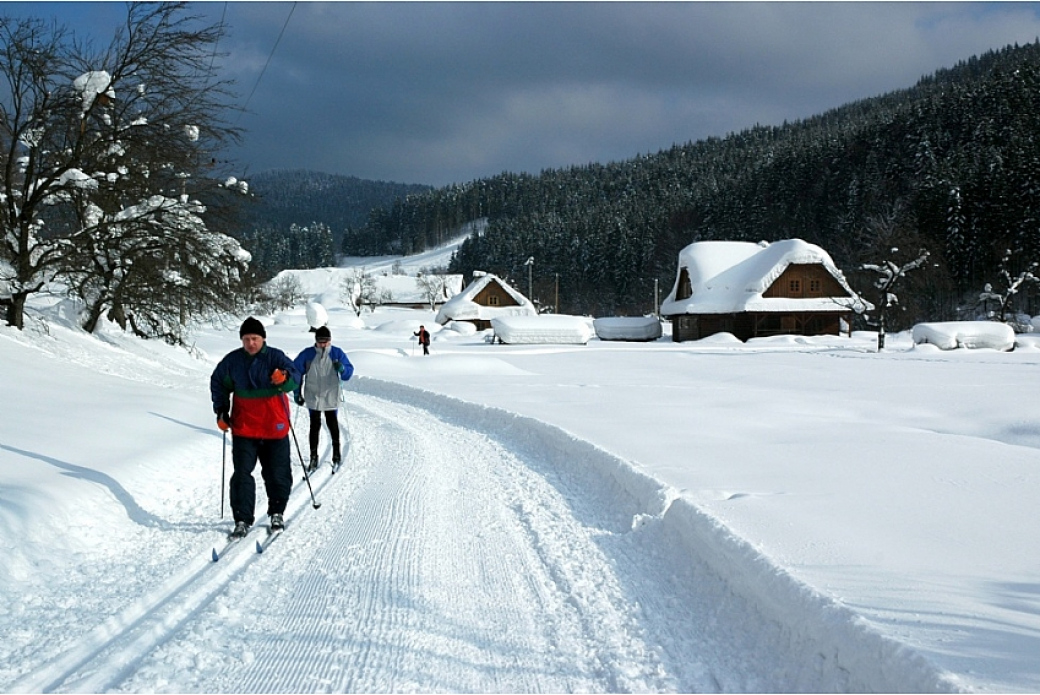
{"x": 258, "y": 377}
{"x": 323, "y": 367}
{"x": 424, "y": 339}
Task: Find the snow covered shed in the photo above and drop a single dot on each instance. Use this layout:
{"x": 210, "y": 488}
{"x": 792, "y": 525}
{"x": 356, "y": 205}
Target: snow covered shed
{"x": 755, "y": 290}
{"x": 487, "y": 297}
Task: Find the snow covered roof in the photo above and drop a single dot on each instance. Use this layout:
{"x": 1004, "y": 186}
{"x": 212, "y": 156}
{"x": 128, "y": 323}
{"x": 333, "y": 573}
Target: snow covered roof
{"x": 325, "y": 285}
{"x": 462, "y": 306}
{"x": 405, "y": 289}
{"x": 949, "y": 335}
{"x": 732, "y": 276}
{"x": 541, "y": 330}
{"x": 627, "y": 328}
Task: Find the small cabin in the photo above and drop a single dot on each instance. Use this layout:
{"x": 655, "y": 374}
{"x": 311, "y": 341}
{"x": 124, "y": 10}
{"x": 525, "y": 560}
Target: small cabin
{"x": 787, "y": 287}
{"x": 486, "y": 297}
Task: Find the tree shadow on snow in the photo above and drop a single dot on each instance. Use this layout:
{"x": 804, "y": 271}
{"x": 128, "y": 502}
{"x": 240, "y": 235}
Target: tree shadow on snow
{"x": 133, "y": 510}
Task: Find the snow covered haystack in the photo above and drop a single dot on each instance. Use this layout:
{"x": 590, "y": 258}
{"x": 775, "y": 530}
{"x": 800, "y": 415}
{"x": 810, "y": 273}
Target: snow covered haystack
{"x": 949, "y": 335}
{"x": 316, "y": 315}
{"x": 634, "y": 328}
{"x": 533, "y": 330}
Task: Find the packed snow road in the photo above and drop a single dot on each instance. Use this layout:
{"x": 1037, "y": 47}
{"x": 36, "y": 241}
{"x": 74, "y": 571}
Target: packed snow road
{"x": 463, "y": 555}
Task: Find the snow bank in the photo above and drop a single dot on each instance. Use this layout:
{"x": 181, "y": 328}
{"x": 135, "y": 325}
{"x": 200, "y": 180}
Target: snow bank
{"x": 528, "y": 330}
{"x": 461, "y": 327}
{"x": 627, "y": 328}
{"x": 804, "y": 640}
{"x": 949, "y": 335}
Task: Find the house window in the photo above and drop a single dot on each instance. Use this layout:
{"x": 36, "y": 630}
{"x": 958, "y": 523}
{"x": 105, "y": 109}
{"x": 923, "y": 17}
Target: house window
{"x": 815, "y": 286}
{"x": 794, "y": 287}
{"x": 493, "y": 300}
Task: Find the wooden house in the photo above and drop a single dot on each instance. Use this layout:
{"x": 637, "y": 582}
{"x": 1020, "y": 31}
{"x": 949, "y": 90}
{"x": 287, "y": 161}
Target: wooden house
{"x": 486, "y": 297}
{"x": 756, "y": 290}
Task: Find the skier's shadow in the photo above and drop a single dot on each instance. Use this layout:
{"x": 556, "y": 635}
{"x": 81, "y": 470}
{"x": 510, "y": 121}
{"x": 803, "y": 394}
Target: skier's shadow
{"x": 133, "y": 510}
{"x": 211, "y": 431}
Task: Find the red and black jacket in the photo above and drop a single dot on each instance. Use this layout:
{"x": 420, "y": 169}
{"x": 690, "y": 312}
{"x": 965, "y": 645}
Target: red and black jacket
{"x": 260, "y": 409}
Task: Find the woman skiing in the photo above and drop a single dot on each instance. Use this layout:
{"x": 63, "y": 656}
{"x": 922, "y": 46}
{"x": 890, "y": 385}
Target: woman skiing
{"x": 323, "y": 366}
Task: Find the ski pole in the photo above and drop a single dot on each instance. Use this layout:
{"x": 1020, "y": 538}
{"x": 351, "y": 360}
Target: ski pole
{"x": 306, "y": 477}
{"x": 223, "y": 468}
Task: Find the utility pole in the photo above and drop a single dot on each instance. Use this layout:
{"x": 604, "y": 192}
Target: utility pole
{"x": 557, "y": 293}
{"x": 657, "y": 302}
{"x": 530, "y": 264}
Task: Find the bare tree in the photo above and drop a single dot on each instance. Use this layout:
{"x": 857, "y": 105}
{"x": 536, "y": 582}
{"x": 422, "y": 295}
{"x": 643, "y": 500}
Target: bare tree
{"x": 434, "y": 288}
{"x": 103, "y": 157}
{"x": 889, "y": 274}
{"x": 360, "y": 288}
{"x": 886, "y": 264}
{"x": 1007, "y": 289}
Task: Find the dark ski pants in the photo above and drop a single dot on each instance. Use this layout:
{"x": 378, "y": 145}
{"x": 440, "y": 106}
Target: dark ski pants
{"x": 275, "y": 469}
{"x": 333, "y": 423}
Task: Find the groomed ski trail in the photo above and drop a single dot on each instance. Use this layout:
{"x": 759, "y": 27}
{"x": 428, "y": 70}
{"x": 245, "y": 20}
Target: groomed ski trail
{"x": 439, "y": 561}
{"x": 464, "y": 550}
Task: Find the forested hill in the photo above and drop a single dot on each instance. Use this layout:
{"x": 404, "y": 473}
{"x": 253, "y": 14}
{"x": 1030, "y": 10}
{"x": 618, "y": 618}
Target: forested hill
{"x": 951, "y": 164}
{"x": 285, "y": 197}
{"x": 297, "y": 218}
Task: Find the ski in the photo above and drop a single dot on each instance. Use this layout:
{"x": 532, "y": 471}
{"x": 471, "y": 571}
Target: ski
{"x": 271, "y": 535}
{"x": 231, "y": 542}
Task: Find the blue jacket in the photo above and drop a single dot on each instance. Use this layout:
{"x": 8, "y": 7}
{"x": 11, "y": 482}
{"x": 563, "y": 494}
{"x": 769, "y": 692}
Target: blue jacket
{"x": 322, "y": 372}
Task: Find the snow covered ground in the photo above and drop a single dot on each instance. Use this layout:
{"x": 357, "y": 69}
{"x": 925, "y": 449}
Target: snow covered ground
{"x": 787, "y": 514}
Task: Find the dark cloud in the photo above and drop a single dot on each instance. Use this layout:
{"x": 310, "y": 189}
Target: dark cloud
{"x": 453, "y": 91}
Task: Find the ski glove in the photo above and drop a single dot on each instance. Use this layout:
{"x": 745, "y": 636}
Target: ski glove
{"x": 299, "y": 399}
{"x": 278, "y": 377}
{"x": 224, "y": 421}
{"x": 338, "y": 365}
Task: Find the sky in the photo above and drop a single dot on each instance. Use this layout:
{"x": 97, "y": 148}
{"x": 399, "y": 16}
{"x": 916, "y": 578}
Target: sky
{"x": 449, "y": 92}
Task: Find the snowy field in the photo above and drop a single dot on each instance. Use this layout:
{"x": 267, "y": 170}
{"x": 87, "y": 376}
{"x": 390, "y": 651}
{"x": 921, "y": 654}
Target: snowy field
{"x": 788, "y": 514}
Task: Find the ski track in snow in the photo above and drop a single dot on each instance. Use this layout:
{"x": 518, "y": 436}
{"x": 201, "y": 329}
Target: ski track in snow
{"x": 469, "y": 550}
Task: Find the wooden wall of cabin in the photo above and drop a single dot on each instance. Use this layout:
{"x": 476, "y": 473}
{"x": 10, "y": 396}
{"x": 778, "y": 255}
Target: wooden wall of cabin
{"x": 494, "y": 295}
{"x": 802, "y": 280}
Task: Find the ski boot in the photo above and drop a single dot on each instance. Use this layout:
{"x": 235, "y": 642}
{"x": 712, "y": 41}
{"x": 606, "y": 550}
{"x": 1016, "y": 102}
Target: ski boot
{"x": 277, "y": 523}
{"x": 241, "y": 529}
{"x": 313, "y": 464}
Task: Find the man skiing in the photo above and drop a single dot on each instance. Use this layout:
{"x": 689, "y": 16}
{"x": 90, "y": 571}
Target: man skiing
{"x": 424, "y": 339}
{"x": 323, "y": 366}
{"x": 258, "y": 377}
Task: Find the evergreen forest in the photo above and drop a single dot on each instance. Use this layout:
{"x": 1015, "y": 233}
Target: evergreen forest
{"x": 298, "y": 219}
{"x": 949, "y": 166}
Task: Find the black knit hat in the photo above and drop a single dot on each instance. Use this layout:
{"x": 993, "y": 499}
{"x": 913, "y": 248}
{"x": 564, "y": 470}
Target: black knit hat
{"x": 323, "y": 333}
{"x": 252, "y": 327}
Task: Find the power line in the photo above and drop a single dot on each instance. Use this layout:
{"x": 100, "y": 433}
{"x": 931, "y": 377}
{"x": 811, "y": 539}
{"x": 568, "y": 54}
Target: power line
{"x": 261, "y": 75}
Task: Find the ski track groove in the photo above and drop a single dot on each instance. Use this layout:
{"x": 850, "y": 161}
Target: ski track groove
{"x": 440, "y": 560}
